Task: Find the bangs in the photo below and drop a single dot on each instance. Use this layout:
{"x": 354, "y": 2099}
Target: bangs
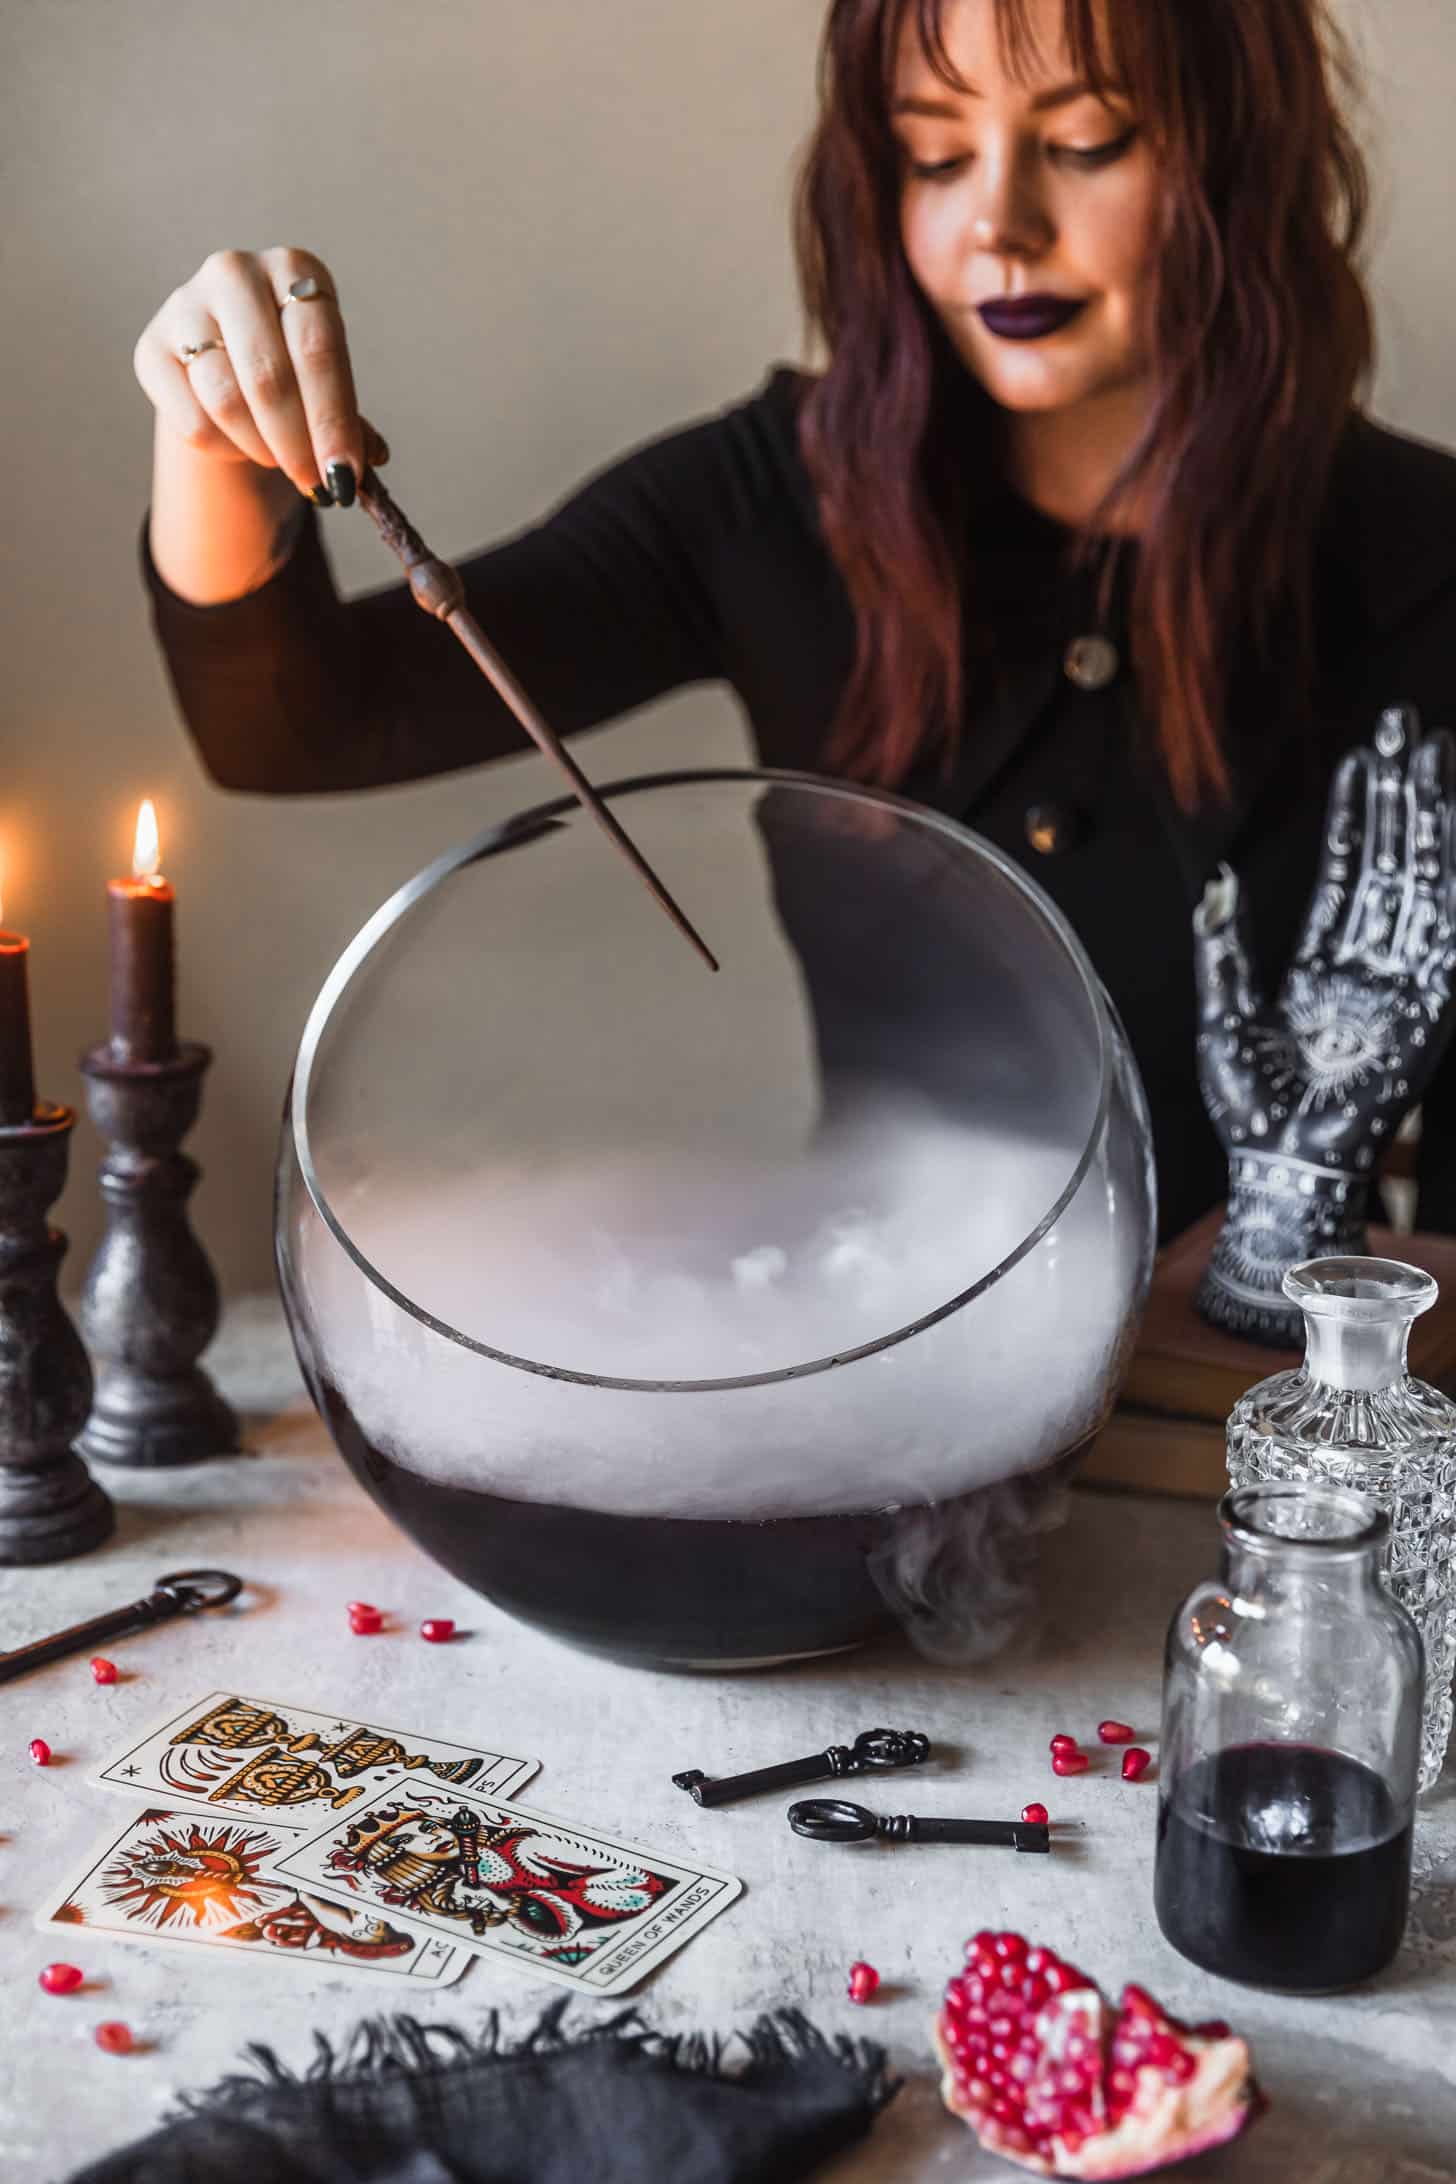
{"x": 1100, "y": 55}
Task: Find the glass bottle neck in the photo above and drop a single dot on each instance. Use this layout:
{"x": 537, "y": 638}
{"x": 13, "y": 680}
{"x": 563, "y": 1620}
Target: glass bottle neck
{"x": 1266, "y": 1574}
{"x": 1356, "y": 1355}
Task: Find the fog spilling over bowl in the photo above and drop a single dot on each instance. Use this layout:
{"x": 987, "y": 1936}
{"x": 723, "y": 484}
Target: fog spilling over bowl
{"x": 711, "y": 1320}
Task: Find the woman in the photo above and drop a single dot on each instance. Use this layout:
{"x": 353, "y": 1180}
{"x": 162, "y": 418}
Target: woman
{"x": 1079, "y": 535}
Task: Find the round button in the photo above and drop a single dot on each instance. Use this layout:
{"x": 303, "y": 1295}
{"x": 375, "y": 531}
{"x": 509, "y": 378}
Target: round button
{"x": 1051, "y": 829}
{"x": 1091, "y": 662}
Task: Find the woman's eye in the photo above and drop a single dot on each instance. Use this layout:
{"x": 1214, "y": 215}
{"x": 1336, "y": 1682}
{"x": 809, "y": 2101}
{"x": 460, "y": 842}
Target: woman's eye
{"x": 937, "y": 170}
{"x": 1096, "y": 155}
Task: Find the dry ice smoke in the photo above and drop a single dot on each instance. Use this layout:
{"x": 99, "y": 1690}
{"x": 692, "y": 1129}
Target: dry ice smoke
{"x": 647, "y": 1268}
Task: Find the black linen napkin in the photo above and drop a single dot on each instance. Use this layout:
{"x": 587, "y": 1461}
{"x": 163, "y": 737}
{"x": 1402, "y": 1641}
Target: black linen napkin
{"x": 612, "y": 2103}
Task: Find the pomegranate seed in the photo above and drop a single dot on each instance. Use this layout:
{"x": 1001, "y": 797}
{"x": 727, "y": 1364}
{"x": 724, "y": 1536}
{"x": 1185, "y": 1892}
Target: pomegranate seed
{"x": 1135, "y": 1763}
{"x": 362, "y": 1607}
{"x": 364, "y": 1621}
{"x": 1114, "y": 1732}
{"x": 40, "y": 1752}
{"x": 1010, "y": 1945}
{"x": 1074, "y": 1762}
{"x": 438, "y": 1630}
{"x": 114, "y": 2038}
{"x": 102, "y": 1670}
{"x": 61, "y": 1978}
{"x": 863, "y": 1980}
{"x": 1036, "y": 1814}
{"x": 1064, "y": 1743}
{"x": 1212, "y": 2028}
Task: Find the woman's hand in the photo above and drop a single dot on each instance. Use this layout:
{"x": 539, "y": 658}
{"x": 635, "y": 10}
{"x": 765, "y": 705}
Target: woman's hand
{"x": 1306, "y": 1094}
{"x": 247, "y": 362}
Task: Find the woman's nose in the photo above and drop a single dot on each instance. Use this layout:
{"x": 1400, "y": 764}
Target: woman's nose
{"x": 1009, "y": 220}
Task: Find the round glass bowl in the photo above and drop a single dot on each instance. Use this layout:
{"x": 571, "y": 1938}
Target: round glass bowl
{"x": 709, "y": 1320}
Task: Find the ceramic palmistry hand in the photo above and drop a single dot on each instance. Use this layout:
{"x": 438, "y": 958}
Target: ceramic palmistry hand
{"x": 1307, "y": 1094}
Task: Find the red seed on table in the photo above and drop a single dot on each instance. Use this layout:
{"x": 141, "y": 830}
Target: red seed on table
{"x": 863, "y": 1980}
{"x": 114, "y": 2038}
{"x": 1135, "y": 1763}
{"x": 1114, "y": 1732}
{"x": 40, "y": 1752}
{"x": 1037, "y": 1815}
{"x": 364, "y": 1621}
{"x": 61, "y": 1978}
{"x": 102, "y": 1670}
{"x": 438, "y": 1629}
{"x": 1064, "y": 1743}
{"x": 1073, "y": 1762}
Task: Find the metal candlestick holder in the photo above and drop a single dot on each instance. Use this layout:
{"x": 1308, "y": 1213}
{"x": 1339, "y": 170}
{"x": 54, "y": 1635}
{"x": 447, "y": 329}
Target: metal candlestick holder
{"x": 150, "y": 1305}
{"x": 50, "y": 1506}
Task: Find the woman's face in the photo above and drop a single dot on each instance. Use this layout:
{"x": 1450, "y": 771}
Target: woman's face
{"x": 1028, "y": 214}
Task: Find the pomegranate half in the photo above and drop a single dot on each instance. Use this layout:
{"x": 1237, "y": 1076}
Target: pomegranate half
{"x": 1046, "y": 2075}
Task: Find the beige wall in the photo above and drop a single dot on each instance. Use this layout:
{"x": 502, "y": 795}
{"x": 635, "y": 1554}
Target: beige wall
{"x": 556, "y": 228}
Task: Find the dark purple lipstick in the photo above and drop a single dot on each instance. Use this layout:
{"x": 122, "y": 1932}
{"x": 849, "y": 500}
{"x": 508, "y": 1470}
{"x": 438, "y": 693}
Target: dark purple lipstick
{"x": 1029, "y": 318}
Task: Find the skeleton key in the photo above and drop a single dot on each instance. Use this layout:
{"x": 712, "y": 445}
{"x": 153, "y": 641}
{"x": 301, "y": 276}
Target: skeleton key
{"x": 183, "y": 1593}
{"x": 835, "y": 1820}
{"x": 874, "y": 1751}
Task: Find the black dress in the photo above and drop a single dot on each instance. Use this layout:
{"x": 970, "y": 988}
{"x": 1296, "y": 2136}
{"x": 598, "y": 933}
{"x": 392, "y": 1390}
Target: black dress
{"x": 699, "y": 558}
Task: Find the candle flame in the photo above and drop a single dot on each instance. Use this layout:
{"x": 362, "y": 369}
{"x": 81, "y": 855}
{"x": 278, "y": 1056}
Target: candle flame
{"x": 2, "y": 889}
{"x": 147, "y": 850}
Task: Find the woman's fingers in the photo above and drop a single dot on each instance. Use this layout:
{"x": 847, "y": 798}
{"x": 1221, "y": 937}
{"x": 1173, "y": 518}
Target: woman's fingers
{"x": 312, "y": 327}
{"x": 249, "y": 360}
{"x": 253, "y": 391}
{"x": 164, "y": 379}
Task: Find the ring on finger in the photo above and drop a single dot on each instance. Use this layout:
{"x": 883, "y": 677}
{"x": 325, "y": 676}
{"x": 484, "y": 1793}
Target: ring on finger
{"x": 307, "y": 289}
{"x": 190, "y": 351}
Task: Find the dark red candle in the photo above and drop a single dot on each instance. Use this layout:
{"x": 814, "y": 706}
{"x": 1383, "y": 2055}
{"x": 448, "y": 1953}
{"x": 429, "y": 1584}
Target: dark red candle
{"x": 17, "y": 1067}
{"x": 142, "y": 979}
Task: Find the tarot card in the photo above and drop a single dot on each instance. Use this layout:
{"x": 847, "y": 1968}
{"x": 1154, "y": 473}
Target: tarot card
{"x": 289, "y": 1765}
{"x": 198, "y": 1879}
{"x": 594, "y": 1914}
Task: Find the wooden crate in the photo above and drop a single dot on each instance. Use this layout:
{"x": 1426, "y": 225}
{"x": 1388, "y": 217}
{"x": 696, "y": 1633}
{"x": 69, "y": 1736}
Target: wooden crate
{"x": 1167, "y": 1434}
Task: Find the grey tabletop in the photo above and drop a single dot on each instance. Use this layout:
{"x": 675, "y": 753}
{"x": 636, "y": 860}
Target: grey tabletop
{"x": 1363, "y": 2085}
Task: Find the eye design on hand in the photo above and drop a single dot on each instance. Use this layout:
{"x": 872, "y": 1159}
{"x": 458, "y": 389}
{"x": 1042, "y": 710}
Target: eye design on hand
{"x": 1341, "y": 1032}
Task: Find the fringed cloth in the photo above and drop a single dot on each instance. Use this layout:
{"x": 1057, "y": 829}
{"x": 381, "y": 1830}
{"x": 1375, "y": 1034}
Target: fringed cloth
{"x": 402, "y": 2102}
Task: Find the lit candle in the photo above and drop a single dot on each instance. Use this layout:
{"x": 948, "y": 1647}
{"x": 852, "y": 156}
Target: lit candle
{"x": 17, "y": 1068}
{"x": 141, "y": 953}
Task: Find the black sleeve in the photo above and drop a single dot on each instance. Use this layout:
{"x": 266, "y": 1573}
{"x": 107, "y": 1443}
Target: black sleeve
{"x": 606, "y": 604}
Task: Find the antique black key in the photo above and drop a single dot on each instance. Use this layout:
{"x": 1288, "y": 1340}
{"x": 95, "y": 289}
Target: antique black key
{"x": 874, "y": 1751}
{"x": 834, "y": 1820}
{"x": 183, "y": 1593}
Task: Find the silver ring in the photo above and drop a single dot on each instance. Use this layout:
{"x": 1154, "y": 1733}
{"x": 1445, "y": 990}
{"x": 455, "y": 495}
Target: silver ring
{"x": 192, "y": 350}
{"x": 308, "y": 289}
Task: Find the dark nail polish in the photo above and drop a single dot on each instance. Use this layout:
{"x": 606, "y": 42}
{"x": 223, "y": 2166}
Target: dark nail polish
{"x": 341, "y": 483}
{"x": 321, "y": 496}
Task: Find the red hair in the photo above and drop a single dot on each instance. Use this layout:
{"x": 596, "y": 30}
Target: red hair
{"x": 1261, "y": 334}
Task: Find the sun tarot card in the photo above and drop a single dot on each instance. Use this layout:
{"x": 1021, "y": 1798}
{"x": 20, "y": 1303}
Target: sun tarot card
{"x": 592, "y": 1913}
{"x": 197, "y": 1880}
{"x": 292, "y": 1766}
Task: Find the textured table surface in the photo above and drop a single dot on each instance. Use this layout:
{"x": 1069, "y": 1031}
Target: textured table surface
{"x": 1364, "y": 2086}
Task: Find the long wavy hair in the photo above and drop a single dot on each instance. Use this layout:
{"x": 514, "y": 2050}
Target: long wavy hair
{"x": 1261, "y": 335}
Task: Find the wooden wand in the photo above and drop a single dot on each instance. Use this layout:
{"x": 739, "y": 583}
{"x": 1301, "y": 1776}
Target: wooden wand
{"x": 438, "y": 588}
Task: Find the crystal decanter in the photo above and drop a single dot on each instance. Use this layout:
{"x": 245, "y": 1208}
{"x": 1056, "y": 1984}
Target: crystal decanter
{"x": 1352, "y": 1416}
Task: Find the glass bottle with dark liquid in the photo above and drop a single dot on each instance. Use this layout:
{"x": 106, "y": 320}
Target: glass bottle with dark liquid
{"x": 1291, "y": 1743}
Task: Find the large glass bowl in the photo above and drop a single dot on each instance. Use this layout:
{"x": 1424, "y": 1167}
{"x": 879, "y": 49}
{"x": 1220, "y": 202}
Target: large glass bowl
{"x": 710, "y": 1320}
